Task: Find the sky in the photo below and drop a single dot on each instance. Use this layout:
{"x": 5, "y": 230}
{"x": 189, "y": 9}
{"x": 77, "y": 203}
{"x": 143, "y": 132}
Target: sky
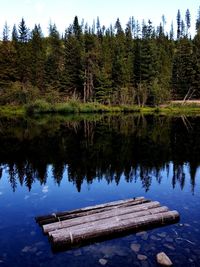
{"x": 62, "y": 12}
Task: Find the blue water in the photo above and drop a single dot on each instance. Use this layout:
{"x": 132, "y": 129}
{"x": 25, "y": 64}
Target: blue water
{"x": 22, "y": 242}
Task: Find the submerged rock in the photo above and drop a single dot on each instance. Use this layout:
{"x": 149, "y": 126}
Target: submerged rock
{"x": 153, "y": 237}
{"x": 135, "y": 247}
{"x": 141, "y": 233}
{"x": 144, "y": 237}
{"x": 163, "y": 234}
{"x": 163, "y": 259}
{"x": 169, "y": 246}
{"x": 103, "y": 261}
{"x": 141, "y": 257}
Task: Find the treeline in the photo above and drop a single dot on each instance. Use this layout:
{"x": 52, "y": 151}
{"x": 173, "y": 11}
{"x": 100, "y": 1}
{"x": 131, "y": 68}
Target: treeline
{"x": 141, "y": 64}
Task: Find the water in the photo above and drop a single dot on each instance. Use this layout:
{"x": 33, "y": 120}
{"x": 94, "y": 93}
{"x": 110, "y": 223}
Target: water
{"x": 52, "y": 164}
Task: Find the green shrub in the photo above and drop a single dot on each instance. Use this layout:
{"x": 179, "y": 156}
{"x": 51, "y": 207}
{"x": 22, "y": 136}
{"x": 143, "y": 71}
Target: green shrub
{"x": 19, "y": 94}
{"x": 38, "y": 106}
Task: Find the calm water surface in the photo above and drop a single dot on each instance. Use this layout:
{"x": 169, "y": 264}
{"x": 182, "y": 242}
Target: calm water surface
{"x": 52, "y": 164}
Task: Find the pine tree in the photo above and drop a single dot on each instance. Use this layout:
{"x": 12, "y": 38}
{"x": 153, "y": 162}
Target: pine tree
{"x": 23, "y": 32}
{"x": 38, "y": 51}
{"x": 187, "y": 21}
{"x": 77, "y": 30}
{"x": 7, "y": 63}
{"x": 73, "y": 72}
{"x": 118, "y": 62}
{"x": 196, "y": 63}
{"x": 5, "y": 33}
{"x": 163, "y": 23}
{"x": 198, "y": 20}
{"x": 14, "y": 34}
{"x": 171, "y": 34}
{"x": 54, "y": 61}
{"x": 103, "y": 85}
{"x": 90, "y": 63}
{"x": 183, "y": 68}
{"x": 23, "y": 53}
{"x": 178, "y": 24}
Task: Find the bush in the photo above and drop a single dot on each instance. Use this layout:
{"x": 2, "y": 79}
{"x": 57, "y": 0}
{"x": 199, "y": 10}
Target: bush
{"x": 19, "y": 94}
{"x": 38, "y": 106}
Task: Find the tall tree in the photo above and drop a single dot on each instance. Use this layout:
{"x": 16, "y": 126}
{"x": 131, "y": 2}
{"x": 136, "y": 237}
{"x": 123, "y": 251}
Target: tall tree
{"x": 54, "y": 61}
{"x": 183, "y": 71}
{"x": 38, "y": 55}
{"x": 5, "y": 32}
{"x": 187, "y": 21}
{"x": 198, "y": 20}
{"x": 23, "y": 32}
{"x": 23, "y": 53}
{"x": 73, "y": 72}
{"x": 14, "y": 34}
{"x": 178, "y": 19}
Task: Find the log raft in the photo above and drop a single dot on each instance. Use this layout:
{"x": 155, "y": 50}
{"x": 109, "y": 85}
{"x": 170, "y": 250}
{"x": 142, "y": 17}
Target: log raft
{"x": 76, "y": 227}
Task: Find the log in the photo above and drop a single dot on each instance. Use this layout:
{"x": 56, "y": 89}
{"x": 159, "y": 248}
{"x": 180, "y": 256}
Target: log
{"x": 60, "y": 216}
{"x": 107, "y": 221}
{"x": 135, "y": 211}
{"x": 65, "y": 237}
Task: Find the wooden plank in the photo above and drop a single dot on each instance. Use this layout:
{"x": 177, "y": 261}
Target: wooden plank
{"x": 135, "y": 211}
{"x": 77, "y": 234}
{"x": 60, "y": 216}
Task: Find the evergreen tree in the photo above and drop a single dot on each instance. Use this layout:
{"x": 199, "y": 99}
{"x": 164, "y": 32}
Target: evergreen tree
{"x": 171, "y": 34}
{"x": 183, "y": 71}
{"x": 198, "y": 20}
{"x": 23, "y": 32}
{"x": 77, "y": 30}
{"x": 163, "y": 23}
{"x": 187, "y": 21}
{"x": 5, "y": 33}
{"x": 7, "y": 64}
{"x": 73, "y": 72}
{"x": 196, "y": 64}
{"x": 38, "y": 58}
{"x": 23, "y": 53}
{"x": 178, "y": 24}
{"x": 14, "y": 34}
{"x": 54, "y": 61}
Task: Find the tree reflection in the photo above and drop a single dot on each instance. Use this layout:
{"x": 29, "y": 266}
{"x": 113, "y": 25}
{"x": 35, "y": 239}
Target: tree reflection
{"x": 104, "y": 147}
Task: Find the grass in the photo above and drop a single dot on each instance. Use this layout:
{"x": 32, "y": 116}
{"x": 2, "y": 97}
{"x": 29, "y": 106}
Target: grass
{"x": 76, "y": 107}
{"x": 179, "y": 109}
{"x": 12, "y": 111}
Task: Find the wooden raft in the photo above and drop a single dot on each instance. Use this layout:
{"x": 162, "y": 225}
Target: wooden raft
{"x": 66, "y": 229}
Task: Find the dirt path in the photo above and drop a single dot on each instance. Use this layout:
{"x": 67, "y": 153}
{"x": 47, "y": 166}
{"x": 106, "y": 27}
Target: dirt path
{"x": 186, "y": 102}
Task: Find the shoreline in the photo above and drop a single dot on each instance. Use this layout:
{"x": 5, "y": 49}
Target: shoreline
{"x": 77, "y": 108}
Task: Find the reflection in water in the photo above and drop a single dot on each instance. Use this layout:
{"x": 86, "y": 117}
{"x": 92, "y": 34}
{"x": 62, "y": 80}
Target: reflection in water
{"x": 103, "y": 147}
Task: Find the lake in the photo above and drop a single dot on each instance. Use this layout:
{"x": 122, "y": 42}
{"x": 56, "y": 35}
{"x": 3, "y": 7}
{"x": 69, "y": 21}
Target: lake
{"x": 55, "y": 163}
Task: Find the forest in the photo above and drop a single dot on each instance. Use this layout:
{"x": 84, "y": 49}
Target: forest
{"x": 140, "y": 65}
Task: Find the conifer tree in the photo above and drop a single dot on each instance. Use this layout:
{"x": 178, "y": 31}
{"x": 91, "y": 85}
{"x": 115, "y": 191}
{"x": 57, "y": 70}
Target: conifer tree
{"x": 54, "y": 59}
{"x": 73, "y": 72}
{"x": 38, "y": 58}
{"x": 187, "y": 21}
{"x": 178, "y": 24}
{"x": 183, "y": 70}
{"x": 23, "y": 32}
{"x": 23, "y": 53}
